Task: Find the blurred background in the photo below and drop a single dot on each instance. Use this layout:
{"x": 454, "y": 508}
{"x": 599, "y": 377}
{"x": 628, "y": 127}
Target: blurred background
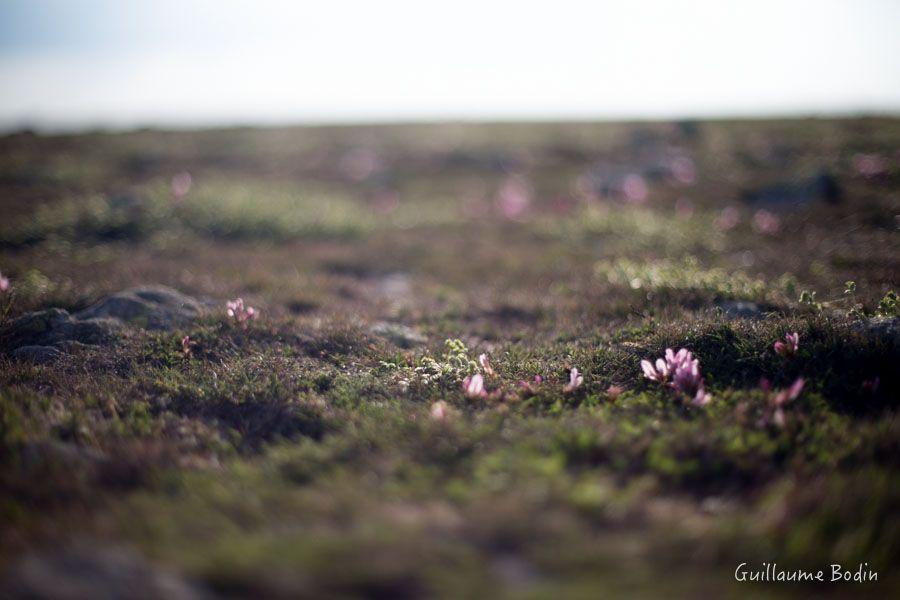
{"x": 74, "y": 64}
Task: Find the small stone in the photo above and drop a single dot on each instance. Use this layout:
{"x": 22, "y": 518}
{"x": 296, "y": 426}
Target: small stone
{"x": 883, "y": 329}
{"x": 399, "y": 334}
{"x": 154, "y": 307}
{"x": 741, "y": 309}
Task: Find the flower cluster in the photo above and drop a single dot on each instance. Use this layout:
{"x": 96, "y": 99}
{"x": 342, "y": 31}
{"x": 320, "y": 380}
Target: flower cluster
{"x": 240, "y": 313}
{"x": 575, "y": 381}
{"x": 681, "y": 371}
{"x": 473, "y": 386}
{"x": 789, "y": 346}
{"x": 529, "y": 388}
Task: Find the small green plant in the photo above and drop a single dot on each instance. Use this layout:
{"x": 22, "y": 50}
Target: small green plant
{"x": 809, "y": 299}
{"x": 889, "y": 305}
{"x": 451, "y": 367}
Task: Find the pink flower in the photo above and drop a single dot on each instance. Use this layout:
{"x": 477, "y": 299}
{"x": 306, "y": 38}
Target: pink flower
{"x": 181, "y": 184}
{"x": 766, "y": 222}
{"x": 728, "y": 218}
{"x": 186, "y": 345}
{"x": 683, "y": 170}
{"x": 513, "y": 198}
{"x": 684, "y": 208}
{"x": 660, "y": 373}
{"x": 775, "y": 411}
{"x": 485, "y": 363}
{"x": 4, "y": 284}
{"x": 241, "y": 314}
{"x": 614, "y": 391}
{"x": 869, "y": 165}
{"x": 474, "y": 386}
{"x": 788, "y": 347}
{"x": 635, "y": 188}
{"x": 575, "y": 381}
{"x": 530, "y": 387}
{"x": 871, "y": 385}
{"x": 684, "y": 371}
{"x": 439, "y": 411}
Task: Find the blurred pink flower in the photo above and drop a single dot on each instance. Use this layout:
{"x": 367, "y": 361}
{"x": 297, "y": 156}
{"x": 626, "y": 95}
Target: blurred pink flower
{"x": 684, "y": 208}
{"x": 4, "y": 284}
{"x": 530, "y": 387}
{"x": 869, "y": 165}
{"x": 766, "y": 222}
{"x": 384, "y": 202}
{"x": 241, "y": 314}
{"x": 728, "y": 218}
{"x": 187, "y": 345}
{"x": 683, "y": 170}
{"x": 614, "y": 391}
{"x": 575, "y": 381}
{"x": 181, "y": 184}
{"x": 359, "y": 164}
{"x": 474, "y": 386}
{"x": 871, "y": 385}
{"x": 789, "y": 346}
{"x": 439, "y": 411}
{"x": 485, "y": 364}
{"x": 513, "y": 198}
{"x": 635, "y": 188}
{"x": 774, "y": 413}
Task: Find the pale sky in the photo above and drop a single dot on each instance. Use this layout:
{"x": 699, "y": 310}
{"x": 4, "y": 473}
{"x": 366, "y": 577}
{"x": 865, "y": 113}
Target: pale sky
{"x": 123, "y": 63}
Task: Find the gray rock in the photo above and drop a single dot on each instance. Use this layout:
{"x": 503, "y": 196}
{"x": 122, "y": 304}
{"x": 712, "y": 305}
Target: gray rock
{"x": 36, "y": 354}
{"x": 883, "y": 329}
{"x": 54, "y": 326}
{"x": 398, "y": 334}
{"x": 156, "y": 307}
{"x": 41, "y": 336}
{"x": 88, "y": 571}
{"x": 741, "y": 309}
{"x": 823, "y": 187}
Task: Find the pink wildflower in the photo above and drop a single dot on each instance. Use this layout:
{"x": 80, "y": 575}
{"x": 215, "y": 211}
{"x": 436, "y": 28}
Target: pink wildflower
{"x": 766, "y": 222}
{"x": 575, "y": 381}
{"x": 728, "y": 218}
{"x": 775, "y": 411}
{"x": 614, "y": 391}
{"x": 4, "y": 284}
{"x": 439, "y": 411}
{"x": 513, "y": 198}
{"x": 684, "y": 371}
{"x": 181, "y": 184}
{"x": 869, "y": 165}
{"x": 241, "y": 314}
{"x": 186, "y": 345}
{"x": 485, "y": 363}
{"x": 789, "y": 346}
{"x": 474, "y": 386}
{"x": 530, "y": 387}
{"x": 635, "y": 188}
{"x": 871, "y": 385}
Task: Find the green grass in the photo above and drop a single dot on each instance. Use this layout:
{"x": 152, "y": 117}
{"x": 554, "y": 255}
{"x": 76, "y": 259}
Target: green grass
{"x": 297, "y": 457}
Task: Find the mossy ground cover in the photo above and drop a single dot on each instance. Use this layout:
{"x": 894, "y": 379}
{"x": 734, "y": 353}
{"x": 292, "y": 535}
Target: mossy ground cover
{"x": 298, "y": 454}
